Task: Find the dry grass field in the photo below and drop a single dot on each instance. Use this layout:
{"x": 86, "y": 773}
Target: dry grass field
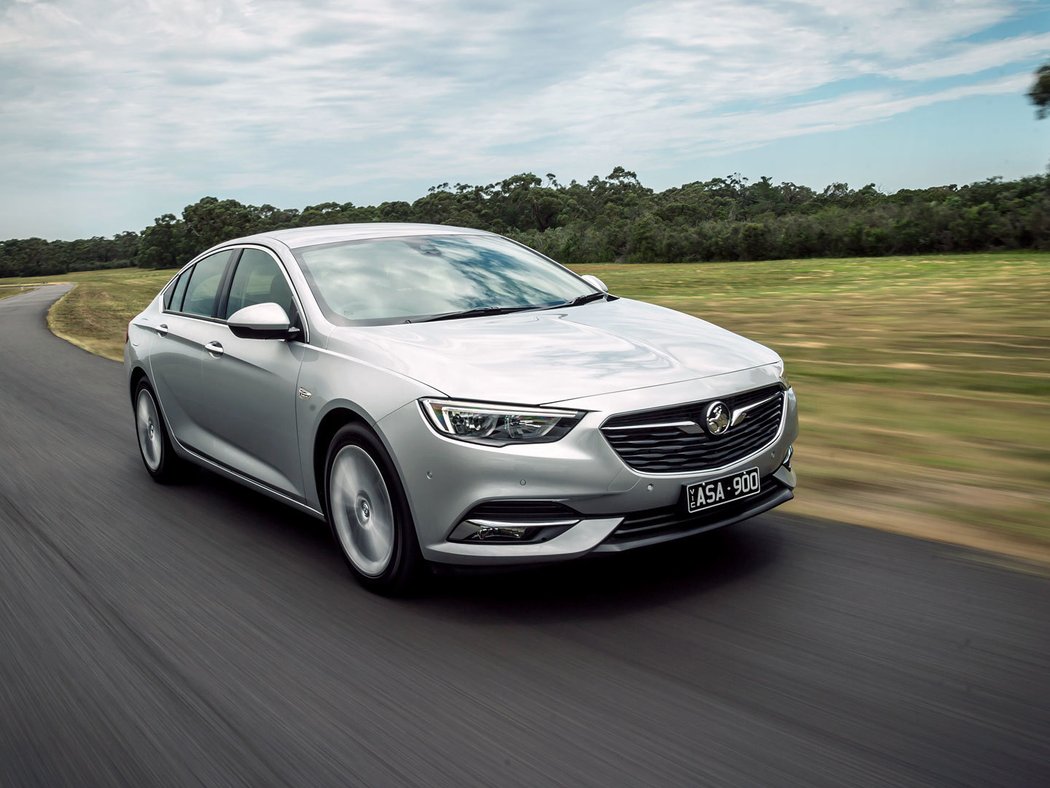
{"x": 923, "y": 383}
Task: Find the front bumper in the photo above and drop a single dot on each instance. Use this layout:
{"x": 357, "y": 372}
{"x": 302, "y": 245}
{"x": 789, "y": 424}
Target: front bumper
{"x": 619, "y": 508}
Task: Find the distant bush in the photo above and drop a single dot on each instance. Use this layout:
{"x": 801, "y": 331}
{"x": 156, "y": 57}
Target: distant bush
{"x": 617, "y": 219}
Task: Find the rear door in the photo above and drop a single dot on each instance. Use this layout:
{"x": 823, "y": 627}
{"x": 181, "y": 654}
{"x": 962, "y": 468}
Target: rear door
{"x": 176, "y": 355}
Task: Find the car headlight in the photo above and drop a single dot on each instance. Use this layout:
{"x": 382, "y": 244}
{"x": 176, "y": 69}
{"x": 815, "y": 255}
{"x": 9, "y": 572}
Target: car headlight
{"x": 498, "y": 425}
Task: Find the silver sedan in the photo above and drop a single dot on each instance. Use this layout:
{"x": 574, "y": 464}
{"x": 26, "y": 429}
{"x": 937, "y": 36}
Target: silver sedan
{"x": 447, "y": 395}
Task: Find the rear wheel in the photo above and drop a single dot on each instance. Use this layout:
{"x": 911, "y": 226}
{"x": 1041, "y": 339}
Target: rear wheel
{"x": 368, "y": 513}
{"x": 163, "y": 464}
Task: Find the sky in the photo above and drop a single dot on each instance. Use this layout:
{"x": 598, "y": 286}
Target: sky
{"x": 113, "y": 113}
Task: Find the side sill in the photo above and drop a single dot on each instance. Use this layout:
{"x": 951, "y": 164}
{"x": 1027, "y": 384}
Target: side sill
{"x": 248, "y": 481}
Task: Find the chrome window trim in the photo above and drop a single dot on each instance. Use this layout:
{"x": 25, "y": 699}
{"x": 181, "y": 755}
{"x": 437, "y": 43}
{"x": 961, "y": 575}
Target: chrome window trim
{"x": 305, "y": 339}
{"x": 192, "y": 263}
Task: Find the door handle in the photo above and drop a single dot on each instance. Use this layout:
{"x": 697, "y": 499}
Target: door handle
{"x": 162, "y": 329}
{"x": 215, "y": 349}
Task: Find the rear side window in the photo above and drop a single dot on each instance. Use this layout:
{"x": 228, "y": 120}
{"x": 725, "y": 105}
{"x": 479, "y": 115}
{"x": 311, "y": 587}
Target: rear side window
{"x": 203, "y": 287}
{"x": 259, "y": 280}
{"x": 173, "y": 298}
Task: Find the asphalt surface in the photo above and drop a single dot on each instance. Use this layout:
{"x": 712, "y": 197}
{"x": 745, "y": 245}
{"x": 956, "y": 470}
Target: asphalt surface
{"x": 203, "y": 634}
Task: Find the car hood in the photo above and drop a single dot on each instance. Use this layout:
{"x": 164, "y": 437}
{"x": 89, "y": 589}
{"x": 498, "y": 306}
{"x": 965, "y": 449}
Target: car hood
{"x": 542, "y": 357}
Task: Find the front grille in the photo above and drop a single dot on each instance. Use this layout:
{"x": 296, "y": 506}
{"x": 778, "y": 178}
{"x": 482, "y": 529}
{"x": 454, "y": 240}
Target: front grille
{"x": 656, "y": 449}
{"x": 522, "y": 511}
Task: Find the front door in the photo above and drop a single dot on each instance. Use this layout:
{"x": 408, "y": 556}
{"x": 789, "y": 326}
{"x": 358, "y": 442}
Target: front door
{"x": 251, "y": 384}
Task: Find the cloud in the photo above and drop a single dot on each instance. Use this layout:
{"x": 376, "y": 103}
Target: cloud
{"x": 676, "y": 84}
{"x": 202, "y": 96}
{"x": 975, "y": 58}
{"x": 754, "y": 128}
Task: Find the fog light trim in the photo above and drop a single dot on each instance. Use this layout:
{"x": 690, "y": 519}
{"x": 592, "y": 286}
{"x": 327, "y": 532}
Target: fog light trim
{"x": 502, "y": 532}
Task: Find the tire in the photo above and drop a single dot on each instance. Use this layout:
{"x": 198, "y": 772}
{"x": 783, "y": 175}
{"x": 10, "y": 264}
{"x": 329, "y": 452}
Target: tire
{"x": 368, "y": 513}
{"x": 162, "y": 464}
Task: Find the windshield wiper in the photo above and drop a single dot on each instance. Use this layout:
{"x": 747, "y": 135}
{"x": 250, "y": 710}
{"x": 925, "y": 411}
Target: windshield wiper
{"x": 586, "y": 298}
{"x": 481, "y": 311}
{"x": 485, "y": 311}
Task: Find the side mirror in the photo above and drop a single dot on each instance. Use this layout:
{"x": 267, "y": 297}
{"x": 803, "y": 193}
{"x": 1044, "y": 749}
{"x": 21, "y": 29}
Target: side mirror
{"x": 261, "y": 321}
{"x": 596, "y": 282}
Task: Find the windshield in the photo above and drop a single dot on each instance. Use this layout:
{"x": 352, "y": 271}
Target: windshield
{"x": 412, "y": 278}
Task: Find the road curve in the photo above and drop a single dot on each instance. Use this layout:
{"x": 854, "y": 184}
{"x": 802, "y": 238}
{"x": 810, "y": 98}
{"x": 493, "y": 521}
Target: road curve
{"x": 203, "y": 634}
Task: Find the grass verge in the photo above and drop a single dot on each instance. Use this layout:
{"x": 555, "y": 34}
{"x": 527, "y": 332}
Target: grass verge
{"x": 94, "y": 314}
{"x": 7, "y": 290}
{"x": 923, "y": 382}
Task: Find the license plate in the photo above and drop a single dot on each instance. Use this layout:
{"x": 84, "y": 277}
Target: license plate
{"x": 704, "y": 495}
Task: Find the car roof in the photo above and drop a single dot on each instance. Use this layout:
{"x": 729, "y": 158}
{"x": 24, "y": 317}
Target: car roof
{"x": 298, "y": 237}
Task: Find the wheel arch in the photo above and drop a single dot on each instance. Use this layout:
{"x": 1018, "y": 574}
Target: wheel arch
{"x": 333, "y": 421}
{"x": 137, "y": 375}
{"x": 401, "y": 572}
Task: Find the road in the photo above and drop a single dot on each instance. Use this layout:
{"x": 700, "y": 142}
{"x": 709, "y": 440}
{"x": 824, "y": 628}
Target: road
{"x": 203, "y": 634}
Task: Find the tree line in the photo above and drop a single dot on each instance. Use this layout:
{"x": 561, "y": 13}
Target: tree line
{"x": 616, "y": 218}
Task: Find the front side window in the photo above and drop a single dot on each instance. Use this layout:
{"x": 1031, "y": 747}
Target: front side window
{"x": 391, "y": 280}
{"x": 259, "y": 280}
{"x": 203, "y": 286}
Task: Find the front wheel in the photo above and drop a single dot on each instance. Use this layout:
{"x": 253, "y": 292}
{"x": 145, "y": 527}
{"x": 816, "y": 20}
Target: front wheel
{"x": 368, "y": 513}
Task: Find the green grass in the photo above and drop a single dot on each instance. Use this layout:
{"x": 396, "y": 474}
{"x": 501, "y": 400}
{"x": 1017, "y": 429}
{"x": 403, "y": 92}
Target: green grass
{"x": 923, "y": 382}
